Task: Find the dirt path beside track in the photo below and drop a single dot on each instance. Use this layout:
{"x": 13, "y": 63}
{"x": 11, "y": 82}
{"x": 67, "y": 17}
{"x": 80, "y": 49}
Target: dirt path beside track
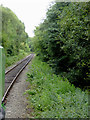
{"x": 16, "y": 106}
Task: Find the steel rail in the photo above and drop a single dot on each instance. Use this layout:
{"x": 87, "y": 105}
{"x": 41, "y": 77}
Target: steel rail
{"x": 17, "y": 64}
{"x": 17, "y": 75}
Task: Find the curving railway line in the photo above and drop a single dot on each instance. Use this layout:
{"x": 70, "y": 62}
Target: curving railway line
{"x": 12, "y": 75}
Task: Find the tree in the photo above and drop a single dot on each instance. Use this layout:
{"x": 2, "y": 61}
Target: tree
{"x": 13, "y": 33}
{"x": 62, "y": 40}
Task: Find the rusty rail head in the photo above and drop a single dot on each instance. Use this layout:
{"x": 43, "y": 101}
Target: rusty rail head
{"x": 6, "y": 72}
{"x": 13, "y": 81}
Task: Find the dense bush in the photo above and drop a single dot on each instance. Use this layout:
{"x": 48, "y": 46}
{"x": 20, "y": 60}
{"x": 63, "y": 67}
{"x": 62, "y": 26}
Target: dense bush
{"x": 63, "y": 41}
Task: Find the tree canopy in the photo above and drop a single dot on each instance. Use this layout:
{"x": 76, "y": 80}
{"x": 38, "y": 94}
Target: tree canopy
{"x": 63, "y": 41}
{"x": 14, "y": 37}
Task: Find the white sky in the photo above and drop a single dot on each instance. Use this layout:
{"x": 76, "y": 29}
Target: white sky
{"x": 30, "y": 12}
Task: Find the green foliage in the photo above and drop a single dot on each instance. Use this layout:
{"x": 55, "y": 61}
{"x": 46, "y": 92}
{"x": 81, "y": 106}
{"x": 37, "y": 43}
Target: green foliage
{"x": 14, "y": 37}
{"x": 52, "y": 96}
{"x": 10, "y": 60}
{"x": 63, "y": 41}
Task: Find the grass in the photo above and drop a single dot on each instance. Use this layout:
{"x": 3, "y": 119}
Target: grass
{"x": 13, "y": 59}
{"x": 52, "y": 96}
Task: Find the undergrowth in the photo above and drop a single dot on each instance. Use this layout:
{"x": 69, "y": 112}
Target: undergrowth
{"x": 52, "y": 96}
{"x": 10, "y": 60}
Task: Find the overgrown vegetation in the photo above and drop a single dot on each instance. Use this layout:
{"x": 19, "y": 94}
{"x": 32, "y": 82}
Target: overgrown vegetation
{"x": 13, "y": 59}
{"x": 63, "y": 41}
{"x": 52, "y": 96}
{"x": 13, "y": 37}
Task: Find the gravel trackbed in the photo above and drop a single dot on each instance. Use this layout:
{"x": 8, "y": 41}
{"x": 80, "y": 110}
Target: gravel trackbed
{"x": 16, "y": 101}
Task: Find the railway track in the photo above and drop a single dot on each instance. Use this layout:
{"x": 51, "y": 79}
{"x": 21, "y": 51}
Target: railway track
{"x": 12, "y": 75}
